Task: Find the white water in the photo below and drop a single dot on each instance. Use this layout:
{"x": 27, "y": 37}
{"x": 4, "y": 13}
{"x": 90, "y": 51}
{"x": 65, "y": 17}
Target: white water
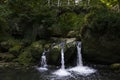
{"x": 79, "y": 55}
{"x": 43, "y": 63}
{"x": 62, "y": 71}
{"x": 62, "y": 59}
{"x": 80, "y": 69}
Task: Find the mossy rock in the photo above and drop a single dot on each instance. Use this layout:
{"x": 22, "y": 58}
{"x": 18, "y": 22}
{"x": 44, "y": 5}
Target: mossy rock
{"x": 6, "y": 45}
{"x": 72, "y": 34}
{"x": 15, "y": 50}
{"x": 11, "y": 65}
{"x": 96, "y": 51}
{"x": 37, "y": 49}
{"x": 100, "y": 37}
{"x": 25, "y": 58}
{"x": 7, "y": 57}
{"x": 37, "y": 46}
{"x": 53, "y": 56}
{"x": 47, "y": 46}
{"x": 31, "y": 55}
{"x": 70, "y": 55}
{"x": 115, "y": 67}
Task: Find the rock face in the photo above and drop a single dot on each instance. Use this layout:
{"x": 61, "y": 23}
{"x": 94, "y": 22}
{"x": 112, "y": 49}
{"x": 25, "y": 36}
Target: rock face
{"x": 115, "y": 67}
{"x": 99, "y": 51}
{"x": 54, "y": 56}
{"x": 101, "y": 38}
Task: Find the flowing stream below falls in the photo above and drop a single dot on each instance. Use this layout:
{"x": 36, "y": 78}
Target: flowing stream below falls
{"x": 103, "y": 73}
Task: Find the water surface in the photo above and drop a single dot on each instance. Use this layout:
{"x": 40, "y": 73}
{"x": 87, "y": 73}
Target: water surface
{"x": 103, "y": 73}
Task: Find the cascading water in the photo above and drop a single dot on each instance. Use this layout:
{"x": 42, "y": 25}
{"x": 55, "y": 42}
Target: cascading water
{"x": 80, "y": 69}
{"x": 62, "y": 71}
{"x": 79, "y": 55}
{"x": 43, "y": 62}
{"x": 62, "y": 56}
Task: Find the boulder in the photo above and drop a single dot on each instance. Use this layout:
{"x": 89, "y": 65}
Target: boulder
{"x": 101, "y": 37}
{"x": 115, "y": 67}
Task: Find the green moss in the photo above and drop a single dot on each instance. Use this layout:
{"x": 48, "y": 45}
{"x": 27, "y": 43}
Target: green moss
{"x": 100, "y": 37}
{"x": 71, "y": 34}
{"x": 7, "y": 44}
{"x": 115, "y": 67}
{"x": 25, "y": 58}
{"x": 6, "y": 57}
{"x": 15, "y": 50}
{"x": 70, "y": 54}
{"x": 31, "y": 55}
{"x": 54, "y": 56}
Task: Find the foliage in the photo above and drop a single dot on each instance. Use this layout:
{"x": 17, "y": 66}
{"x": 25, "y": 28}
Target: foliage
{"x": 15, "y": 50}
{"x": 100, "y": 36}
{"x": 26, "y": 26}
{"x": 110, "y": 3}
{"x": 114, "y": 4}
{"x": 31, "y": 55}
{"x": 10, "y": 43}
{"x": 67, "y": 21}
{"x": 6, "y": 57}
{"x": 101, "y": 23}
{"x": 4, "y": 13}
{"x": 25, "y": 58}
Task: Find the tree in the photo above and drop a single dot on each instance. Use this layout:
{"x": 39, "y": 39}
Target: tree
{"x": 115, "y": 4}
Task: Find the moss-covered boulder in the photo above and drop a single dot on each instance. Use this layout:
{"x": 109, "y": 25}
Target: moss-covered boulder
{"x": 71, "y": 54}
{"x": 72, "y": 34}
{"x": 101, "y": 37}
{"x": 10, "y": 43}
{"x": 31, "y": 55}
{"x": 25, "y": 58}
{"x": 6, "y": 57}
{"x": 54, "y": 56}
{"x": 15, "y": 50}
{"x": 115, "y": 67}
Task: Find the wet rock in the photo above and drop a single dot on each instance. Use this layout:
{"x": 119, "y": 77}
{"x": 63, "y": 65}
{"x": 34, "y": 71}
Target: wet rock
{"x": 54, "y": 56}
{"x": 31, "y": 55}
{"x": 115, "y": 66}
{"x": 6, "y": 57}
{"x": 71, "y": 34}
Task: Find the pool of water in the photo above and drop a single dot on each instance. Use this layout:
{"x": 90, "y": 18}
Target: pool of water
{"x": 103, "y": 73}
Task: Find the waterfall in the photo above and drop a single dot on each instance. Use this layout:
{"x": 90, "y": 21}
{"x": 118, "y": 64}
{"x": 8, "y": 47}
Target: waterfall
{"x": 43, "y": 60}
{"x": 62, "y": 71}
{"x": 80, "y": 69}
{"x": 79, "y": 55}
{"x": 62, "y": 56}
